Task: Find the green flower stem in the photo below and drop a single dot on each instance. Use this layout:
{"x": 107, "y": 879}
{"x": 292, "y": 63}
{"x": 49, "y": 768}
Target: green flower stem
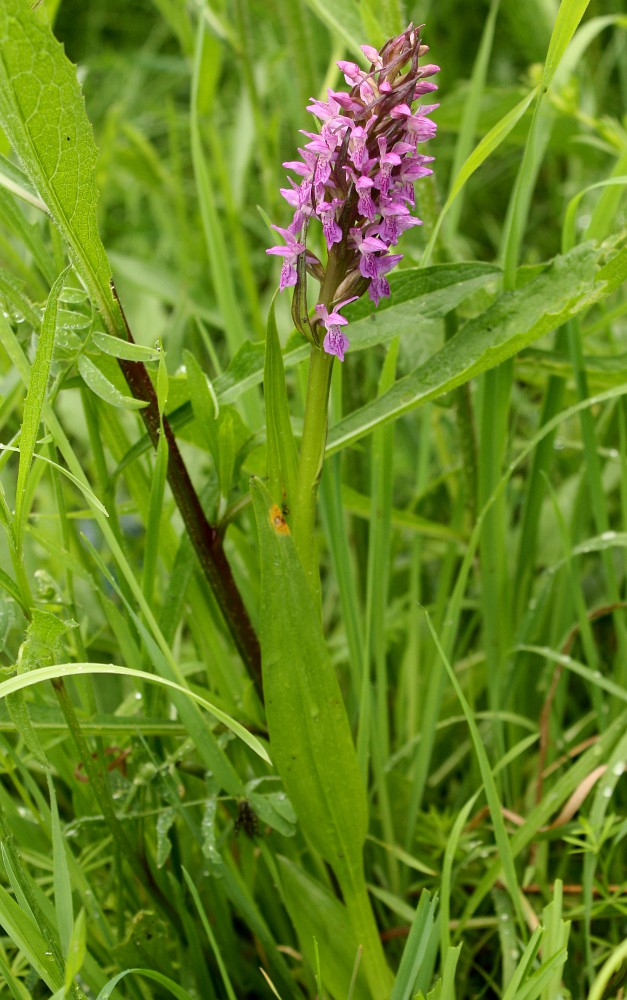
{"x": 310, "y": 464}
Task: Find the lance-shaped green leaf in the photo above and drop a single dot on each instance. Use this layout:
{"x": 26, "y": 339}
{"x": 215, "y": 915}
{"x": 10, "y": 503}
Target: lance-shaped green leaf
{"x": 43, "y": 114}
{"x": 310, "y": 738}
{"x": 320, "y": 917}
{"x": 102, "y": 387}
{"x": 515, "y": 320}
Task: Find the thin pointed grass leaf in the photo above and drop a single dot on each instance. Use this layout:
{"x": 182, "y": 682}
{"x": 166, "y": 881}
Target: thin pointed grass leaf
{"x": 16, "y": 882}
{"x": 282, "y": 457}
{"x": 164, "y": 662}
{"x": 525, "y": 964}
{"x": 77, "y": 950}
{"x": 472, "y": 107}
{"x": 491, "y": 792}
{"x": 217, "y": 250}
{"x": 556, "y": 934}
{"x": 569, "y": 14}
{"x": 601, "y": 802}
{"x": 310, "y": 738}
{"x": 568, "y": 17}
{"x": 210, "y": 935}
{"x": 156, "y": 977}
{"x": 25, "y": 934}
{"x": 43, "y": 114}
{"x": 582, "y": 40}
{"x": 515, "y": 320}
{"x": 33, "y": 404}
{"x": 91, "y": 498}
{"x": 446, "y": 880}
{"x": 541, "y": 814}
{"x": 533, "y": 986}
{"x": 156, "y": 646}
{"x": 592, "y": 676}
{"x": 482, "y": 151}
{"x": 100, "y": 385}
{"x": 60, "y": 875}
{"x": 415, "y": 948}
{"x": 451, "y": 625}
{"x": 21, "y": 681}
{"x": 374, "y": 733}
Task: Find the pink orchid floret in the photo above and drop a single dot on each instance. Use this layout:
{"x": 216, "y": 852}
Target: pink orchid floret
{"x": 291, "y": 253}
{"x": 335, "y": 342}
{"x": 357, "y": 174}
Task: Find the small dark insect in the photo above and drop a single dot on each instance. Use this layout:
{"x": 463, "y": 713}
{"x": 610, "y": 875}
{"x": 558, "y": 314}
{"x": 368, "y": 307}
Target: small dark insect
{"x": 246, "y": 819}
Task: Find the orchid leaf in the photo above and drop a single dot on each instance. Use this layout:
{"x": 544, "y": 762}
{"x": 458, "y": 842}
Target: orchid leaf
{"x": 513, "y": 322}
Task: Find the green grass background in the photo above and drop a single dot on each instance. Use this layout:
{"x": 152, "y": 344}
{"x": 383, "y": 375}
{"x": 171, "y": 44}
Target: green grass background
{"x": 472, "y": 549}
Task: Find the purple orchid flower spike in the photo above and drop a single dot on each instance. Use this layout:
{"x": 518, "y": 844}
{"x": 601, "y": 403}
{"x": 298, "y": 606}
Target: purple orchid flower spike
{"x": 357, "y": 179}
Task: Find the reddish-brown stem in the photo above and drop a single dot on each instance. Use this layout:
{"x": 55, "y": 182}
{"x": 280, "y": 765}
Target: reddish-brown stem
{"x": 205, "y": 538}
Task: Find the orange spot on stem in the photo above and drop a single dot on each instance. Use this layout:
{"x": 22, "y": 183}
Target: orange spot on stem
{"x": 277, "y": 520}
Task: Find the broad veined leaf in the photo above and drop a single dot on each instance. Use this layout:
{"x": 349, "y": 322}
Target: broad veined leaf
{"x": 43, "y": 114}
{"x": 515, "y": 320}
{"x": 310, "y": 738}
